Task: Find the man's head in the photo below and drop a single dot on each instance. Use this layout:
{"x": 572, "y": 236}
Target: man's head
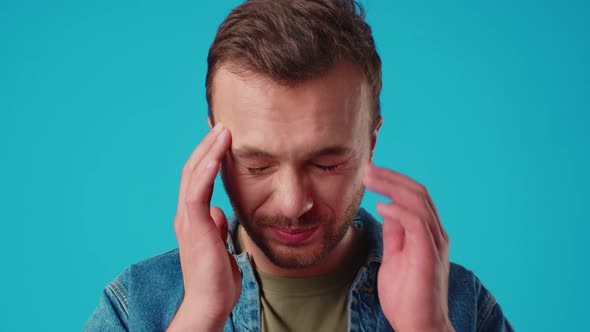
{"x": 297, "y": 83}
{"x": 291, "y": 41}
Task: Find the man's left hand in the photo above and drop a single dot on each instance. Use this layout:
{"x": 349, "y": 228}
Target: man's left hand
{"x": 414, "y": 275}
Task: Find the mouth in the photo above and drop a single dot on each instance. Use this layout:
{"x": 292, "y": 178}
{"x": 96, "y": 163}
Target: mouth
{"x": 294, "y": 236}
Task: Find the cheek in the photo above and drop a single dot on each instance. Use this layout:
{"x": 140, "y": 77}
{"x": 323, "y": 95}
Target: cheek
{"x": 336, "y": 191}
{"x": 249, "y": 192}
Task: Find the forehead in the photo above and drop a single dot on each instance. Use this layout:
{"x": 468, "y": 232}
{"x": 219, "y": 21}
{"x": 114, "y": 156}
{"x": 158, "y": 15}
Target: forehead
{"x": 330, "y": 110}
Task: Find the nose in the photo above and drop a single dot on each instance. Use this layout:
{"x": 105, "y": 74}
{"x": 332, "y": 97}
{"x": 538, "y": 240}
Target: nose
{"x": 293, "y": 196}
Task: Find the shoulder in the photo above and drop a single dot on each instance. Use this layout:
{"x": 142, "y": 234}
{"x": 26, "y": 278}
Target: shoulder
{"x": 465, "y": 286}
{"x": 157, "y": 269}
{"x": 159, "y": 274}
{"x": 471, "y": 304}
{"x": 144, "y": 297}
{"x": 165, "y": 265}
{"x": 151, "y": 290}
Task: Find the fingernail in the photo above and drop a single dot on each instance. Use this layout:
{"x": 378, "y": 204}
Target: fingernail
{"x": 218, "y": 126}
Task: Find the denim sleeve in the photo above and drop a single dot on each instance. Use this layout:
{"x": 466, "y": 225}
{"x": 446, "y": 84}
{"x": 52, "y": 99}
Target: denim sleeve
{"x": 111, "y": 314}
{"x": 490, "y": 317}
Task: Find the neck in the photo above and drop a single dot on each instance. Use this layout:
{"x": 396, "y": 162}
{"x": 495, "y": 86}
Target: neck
{"x": 336, "y": 259}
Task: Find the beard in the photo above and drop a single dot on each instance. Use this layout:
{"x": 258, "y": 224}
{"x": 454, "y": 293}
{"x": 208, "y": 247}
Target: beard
{"x": 332, "y": 229}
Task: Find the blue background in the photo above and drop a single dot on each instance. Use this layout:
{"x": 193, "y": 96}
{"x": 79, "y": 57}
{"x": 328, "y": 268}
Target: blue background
{"x": 101, "y": 103}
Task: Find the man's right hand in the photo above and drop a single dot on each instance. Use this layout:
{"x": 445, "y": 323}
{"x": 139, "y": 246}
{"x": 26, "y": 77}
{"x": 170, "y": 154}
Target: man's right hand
{"x": 212, "y": 280}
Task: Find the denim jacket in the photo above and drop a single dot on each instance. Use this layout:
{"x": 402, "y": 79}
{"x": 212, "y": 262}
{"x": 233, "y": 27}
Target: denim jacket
{"x": 145, "y": 297}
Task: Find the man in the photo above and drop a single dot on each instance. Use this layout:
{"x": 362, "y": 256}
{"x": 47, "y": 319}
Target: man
{"x": 293, "y": 92}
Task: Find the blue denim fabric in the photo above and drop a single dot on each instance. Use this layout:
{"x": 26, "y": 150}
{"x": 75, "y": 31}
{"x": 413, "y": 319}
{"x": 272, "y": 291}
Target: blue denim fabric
{"x": 145, "y": 297}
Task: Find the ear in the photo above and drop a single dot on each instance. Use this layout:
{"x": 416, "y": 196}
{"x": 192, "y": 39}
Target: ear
{"x": 374, "y": 135}
{"x": 210, "y": 122}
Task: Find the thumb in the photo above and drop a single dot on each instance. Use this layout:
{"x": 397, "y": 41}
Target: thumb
{"x": 220, "y": 221}
{"x": 393, "y": 233}
{"x": 393, "y": 237}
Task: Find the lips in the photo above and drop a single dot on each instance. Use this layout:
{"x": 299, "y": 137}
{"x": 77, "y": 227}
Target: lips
{"x": 290, "y": 236}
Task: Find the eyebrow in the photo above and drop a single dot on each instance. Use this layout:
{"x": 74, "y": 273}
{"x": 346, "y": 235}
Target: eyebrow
{"x": 250, "y": 152}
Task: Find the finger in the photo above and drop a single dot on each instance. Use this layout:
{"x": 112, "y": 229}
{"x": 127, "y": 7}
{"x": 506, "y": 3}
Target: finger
{"x": 196, "y": 213}
{"x": 382, "y": 172}
{"x": 220, "y": 221}
{"x": 205, "y": 145}
{"x": 393, "y": 237}
{"x": 399, "y": 193}
{"x": 416, "y": 206}
{"x": 417, "y": 234}
{"x": 414, "y": 202}
{"x": 201, "y": 186}
{"x": 195, "y": 157}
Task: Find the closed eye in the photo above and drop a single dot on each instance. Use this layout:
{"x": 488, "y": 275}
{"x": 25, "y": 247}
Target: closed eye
{"x": 257, "y": 170}
{"x": 327, "y": 168}
{"x": 262, "y": 170}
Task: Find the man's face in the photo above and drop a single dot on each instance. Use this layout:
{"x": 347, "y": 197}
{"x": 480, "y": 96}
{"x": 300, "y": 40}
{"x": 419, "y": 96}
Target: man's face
{"x": 294, "y": 170}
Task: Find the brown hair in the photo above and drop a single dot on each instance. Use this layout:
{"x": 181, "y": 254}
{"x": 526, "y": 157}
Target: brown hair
{"x": 290, "y": 41}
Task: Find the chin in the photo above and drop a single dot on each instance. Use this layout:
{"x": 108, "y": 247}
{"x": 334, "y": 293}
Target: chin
{"x": 299, "y": 260}
{"x": 308, "y": 253}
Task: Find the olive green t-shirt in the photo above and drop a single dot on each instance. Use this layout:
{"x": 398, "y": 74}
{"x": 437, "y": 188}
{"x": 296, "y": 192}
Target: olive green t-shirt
{"x": 305, "y": 304}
